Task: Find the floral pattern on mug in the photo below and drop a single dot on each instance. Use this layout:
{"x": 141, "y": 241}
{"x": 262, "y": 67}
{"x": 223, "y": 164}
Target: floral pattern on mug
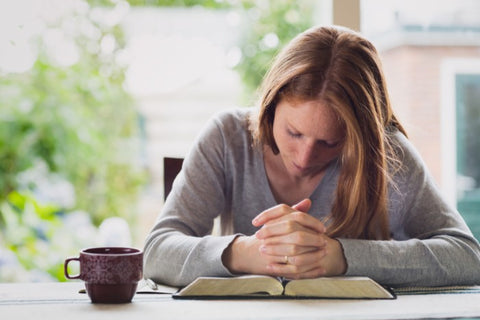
{"x": 112, "y": 269}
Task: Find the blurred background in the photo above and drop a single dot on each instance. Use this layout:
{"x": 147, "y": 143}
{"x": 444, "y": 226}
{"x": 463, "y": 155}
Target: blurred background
{"x": 93, "y": 95}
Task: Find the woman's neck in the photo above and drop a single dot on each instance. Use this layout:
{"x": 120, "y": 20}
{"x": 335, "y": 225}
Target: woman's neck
{"x": 286, "y": 188}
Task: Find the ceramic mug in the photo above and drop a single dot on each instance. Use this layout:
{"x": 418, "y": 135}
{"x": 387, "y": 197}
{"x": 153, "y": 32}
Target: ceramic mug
{"x": 111, "y": 274}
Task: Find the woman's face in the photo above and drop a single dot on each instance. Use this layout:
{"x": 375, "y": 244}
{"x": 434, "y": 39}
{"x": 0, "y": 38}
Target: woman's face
{"x": 308, "y": 135}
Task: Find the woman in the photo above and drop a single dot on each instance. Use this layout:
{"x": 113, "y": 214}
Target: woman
{"x": 321, "y": 182}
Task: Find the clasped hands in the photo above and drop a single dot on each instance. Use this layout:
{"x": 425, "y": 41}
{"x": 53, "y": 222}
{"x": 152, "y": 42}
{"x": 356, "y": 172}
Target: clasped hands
{"x": 290, "y": 243}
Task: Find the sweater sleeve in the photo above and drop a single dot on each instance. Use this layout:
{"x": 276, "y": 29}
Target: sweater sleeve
{"x": 431, "y": 246}
{"x": 179, "y": 248}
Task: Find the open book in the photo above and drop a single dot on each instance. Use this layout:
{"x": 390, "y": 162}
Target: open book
{"x": 254, "y": 286}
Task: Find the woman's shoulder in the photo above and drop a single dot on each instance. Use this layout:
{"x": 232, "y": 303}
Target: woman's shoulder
{"x": 233, "y": 117}
{"x": 407, "y": 161}
{"x": 403, "y": 149}
{"x": 234, "y": 124}
{"x": 227, "y": 128}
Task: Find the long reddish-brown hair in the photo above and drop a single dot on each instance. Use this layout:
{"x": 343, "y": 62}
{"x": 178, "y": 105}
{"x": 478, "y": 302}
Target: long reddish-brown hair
{"x": 343, "y": 70}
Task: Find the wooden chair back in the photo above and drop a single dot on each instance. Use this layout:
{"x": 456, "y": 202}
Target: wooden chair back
{"x": 171, "y": 167}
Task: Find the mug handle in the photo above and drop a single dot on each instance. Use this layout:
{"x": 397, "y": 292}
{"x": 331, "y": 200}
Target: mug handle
{"x": 65, "y": 268}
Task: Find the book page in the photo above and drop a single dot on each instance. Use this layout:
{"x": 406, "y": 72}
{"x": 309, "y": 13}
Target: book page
{"x": 338, "y": 287}
{"x": 236, "y": 286}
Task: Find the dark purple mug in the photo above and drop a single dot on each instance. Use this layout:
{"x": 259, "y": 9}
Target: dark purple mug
{"x": 111, "y": 274}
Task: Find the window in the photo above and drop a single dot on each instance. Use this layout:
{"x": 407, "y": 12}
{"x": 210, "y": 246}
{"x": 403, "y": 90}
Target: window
{"x": 467, "y": 107}
{"x": 461, "y": 132}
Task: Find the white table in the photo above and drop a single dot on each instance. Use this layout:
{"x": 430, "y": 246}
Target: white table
{"x": 62, "y": 301}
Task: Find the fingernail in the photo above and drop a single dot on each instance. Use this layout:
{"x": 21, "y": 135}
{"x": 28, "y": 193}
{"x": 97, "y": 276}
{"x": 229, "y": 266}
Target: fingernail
{"x": 263, "y": 249}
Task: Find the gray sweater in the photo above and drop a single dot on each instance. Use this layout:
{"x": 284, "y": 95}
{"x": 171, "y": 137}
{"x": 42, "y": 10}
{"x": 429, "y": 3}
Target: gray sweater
{"x": 224, "y": 175}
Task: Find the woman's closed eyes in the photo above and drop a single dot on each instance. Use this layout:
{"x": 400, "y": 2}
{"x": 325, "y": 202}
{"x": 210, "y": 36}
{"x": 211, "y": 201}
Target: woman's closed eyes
{"x": 297, "y": 135}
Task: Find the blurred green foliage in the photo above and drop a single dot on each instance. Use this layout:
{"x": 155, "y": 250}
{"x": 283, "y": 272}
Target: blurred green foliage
{"x": 270, "y": 26}
{"x": 28, "y": 230}
{"x": 77, "y": 123}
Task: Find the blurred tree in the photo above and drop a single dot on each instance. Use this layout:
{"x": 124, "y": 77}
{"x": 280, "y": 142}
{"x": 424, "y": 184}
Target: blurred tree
{"x": 68, "y": 144}
{"x": 270, "y": 26}
{"x": 76, "y": 119}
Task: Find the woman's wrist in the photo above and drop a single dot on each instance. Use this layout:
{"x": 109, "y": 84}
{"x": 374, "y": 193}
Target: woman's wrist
{"x": 340, "y": 265}
{"x": 231, "y": 254}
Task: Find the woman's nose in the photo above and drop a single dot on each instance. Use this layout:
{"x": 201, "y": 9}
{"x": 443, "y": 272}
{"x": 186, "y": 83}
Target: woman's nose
{"x": 305, "y": 154}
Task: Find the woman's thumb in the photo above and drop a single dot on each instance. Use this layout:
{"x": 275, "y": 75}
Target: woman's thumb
{"x": 303, "y": 205}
